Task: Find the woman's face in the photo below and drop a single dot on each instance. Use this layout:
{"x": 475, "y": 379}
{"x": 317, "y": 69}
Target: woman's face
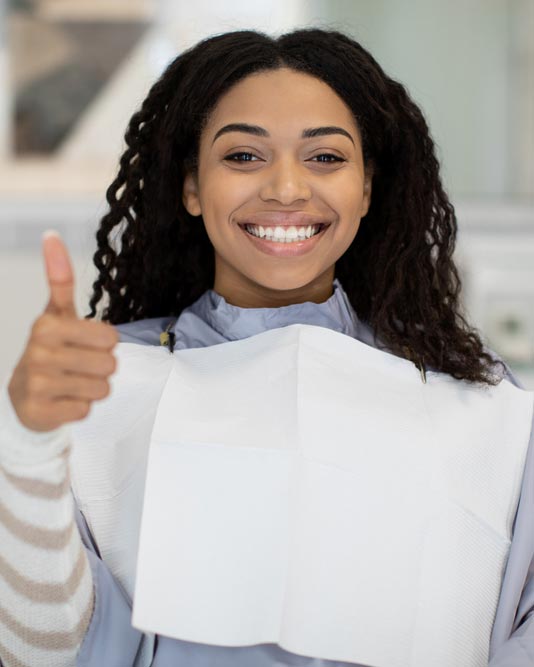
{"x": 280, "y": 150}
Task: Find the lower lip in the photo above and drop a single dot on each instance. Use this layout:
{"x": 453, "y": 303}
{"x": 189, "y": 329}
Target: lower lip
{"x": 293, "y": 249}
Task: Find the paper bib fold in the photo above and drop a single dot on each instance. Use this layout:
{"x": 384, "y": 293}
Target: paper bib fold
{"x": 306, "y": 489}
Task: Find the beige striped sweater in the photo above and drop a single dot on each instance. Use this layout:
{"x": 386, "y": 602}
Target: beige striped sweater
{"x": 46, "y": 588}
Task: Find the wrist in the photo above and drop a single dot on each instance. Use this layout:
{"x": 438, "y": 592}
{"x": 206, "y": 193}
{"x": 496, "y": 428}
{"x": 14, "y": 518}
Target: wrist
{"x": 19, "y": 444}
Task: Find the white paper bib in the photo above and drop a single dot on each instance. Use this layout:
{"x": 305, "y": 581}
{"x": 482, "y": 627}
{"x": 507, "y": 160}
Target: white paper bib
{"x": 308, "y": 490}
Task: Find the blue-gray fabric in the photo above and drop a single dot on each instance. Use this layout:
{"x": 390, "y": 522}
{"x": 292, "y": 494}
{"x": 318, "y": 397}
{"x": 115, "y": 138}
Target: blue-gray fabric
{"x": 111, "y": 640}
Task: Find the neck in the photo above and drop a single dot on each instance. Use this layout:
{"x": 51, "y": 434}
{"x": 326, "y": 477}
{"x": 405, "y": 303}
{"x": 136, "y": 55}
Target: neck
{"x": 245, "y": 293}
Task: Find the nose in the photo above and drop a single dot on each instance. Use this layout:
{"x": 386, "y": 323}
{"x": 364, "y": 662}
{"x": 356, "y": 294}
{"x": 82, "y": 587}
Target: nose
{"x": 285, "y": 182}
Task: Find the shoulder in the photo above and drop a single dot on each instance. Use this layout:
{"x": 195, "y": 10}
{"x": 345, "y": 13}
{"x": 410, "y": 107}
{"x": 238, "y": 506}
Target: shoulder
{"x": 504, "y": 370}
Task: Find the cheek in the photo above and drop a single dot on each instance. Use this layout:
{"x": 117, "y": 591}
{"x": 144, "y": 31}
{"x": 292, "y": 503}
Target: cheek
{"x": 355, "y": 202}
{"x": 343, "y": 190}
{"x": 346, "y": 199}
{"x": 222, "y": 195}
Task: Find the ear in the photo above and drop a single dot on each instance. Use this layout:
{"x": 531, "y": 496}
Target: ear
{"x": 190, "y": 194}
{"x": 367, "y": 188}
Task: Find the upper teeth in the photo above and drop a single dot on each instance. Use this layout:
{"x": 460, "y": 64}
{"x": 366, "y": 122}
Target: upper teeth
{"x": 283, "y": 232}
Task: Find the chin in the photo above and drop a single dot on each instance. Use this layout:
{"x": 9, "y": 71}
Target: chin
{"x": 282, "y": 284}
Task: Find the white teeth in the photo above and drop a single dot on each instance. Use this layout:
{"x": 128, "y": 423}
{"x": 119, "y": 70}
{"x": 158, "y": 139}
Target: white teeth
{"x": 283, "y": 234}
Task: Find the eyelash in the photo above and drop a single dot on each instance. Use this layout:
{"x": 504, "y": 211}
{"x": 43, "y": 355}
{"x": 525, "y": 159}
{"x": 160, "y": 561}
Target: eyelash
{"x": 336, "y": 157}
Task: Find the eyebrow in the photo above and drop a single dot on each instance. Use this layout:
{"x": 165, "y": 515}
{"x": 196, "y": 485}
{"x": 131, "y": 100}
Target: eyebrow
{"x": 261, "y": 132}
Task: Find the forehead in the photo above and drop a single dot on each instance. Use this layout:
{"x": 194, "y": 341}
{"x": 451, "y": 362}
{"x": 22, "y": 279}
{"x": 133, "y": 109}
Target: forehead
{"x": 281, "y": 98}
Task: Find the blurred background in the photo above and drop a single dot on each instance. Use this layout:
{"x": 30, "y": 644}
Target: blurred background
{"x": 72, "y": 72}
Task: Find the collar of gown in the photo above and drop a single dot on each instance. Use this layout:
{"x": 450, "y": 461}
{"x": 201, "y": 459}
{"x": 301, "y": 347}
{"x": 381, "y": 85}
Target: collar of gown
{"x": 234, "y": 322}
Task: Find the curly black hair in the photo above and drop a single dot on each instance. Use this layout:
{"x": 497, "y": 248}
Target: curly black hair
{"x": 154, "y": 259}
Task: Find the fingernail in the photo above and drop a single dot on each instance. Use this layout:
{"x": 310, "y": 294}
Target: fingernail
{"x": 50, "y": 232}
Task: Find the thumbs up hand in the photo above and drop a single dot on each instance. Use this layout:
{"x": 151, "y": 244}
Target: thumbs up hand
{"x": 67, "y": 360}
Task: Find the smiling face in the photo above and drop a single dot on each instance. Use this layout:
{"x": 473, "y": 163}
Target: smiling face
{"x": 261, "y": 164}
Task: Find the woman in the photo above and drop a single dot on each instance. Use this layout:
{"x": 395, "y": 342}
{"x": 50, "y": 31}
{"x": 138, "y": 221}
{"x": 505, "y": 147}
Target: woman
{"x": 267, "y": 182}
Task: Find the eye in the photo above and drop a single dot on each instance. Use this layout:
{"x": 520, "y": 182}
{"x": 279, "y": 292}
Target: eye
{"x": 240, "y": 157}
{"x": 335, "y": 158}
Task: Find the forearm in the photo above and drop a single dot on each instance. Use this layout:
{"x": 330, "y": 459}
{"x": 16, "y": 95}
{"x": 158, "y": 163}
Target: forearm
{"x": 46, "y": 589}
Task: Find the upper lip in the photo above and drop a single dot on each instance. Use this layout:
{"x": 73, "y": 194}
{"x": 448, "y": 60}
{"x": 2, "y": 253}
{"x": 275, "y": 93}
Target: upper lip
{"x": 283, "y": 219}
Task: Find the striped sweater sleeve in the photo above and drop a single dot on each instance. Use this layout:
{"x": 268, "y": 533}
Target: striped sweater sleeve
{"x": 46, "y": 587}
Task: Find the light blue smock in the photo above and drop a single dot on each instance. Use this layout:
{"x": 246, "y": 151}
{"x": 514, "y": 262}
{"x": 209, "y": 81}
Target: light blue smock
{"x": 111, "y": 641}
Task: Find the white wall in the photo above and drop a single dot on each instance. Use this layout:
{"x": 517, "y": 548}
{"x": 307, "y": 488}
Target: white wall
{"x": 454, "y": 58}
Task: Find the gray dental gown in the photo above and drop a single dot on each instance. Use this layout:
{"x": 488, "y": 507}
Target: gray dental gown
{"x": 111, "y": 641}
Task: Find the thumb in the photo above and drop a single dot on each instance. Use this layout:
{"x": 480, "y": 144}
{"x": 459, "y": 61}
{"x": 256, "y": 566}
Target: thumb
{"x": 59, "y": 275}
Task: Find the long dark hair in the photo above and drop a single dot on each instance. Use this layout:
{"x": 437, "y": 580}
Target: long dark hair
{"x": 155, "y": 259}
